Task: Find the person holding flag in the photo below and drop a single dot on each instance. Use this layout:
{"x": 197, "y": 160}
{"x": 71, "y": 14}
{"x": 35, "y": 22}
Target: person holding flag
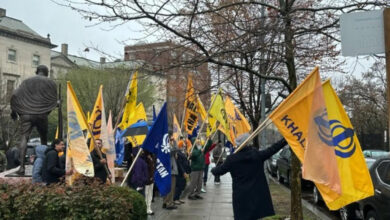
{"x": 98, "y": 164}
{"x": 251, "y": 195}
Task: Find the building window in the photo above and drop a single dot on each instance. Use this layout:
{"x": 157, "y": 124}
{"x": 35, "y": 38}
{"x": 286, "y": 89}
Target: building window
{"x": 36, "y": 60}
{"x": 12, "y": 55}
{"x": 10, "y": 89}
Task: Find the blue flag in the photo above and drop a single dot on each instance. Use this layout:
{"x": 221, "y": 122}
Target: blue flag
{"x": 157, "y": 142}
{"x": 194, "y": 133}
{"x": 119, "y": 147}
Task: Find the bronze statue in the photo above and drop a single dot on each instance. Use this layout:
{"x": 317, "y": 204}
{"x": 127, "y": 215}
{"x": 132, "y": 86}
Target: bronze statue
{"x": 32, "y": 102}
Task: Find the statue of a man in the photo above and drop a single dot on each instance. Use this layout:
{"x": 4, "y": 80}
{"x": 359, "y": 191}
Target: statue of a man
{"x": 32, "y": 101}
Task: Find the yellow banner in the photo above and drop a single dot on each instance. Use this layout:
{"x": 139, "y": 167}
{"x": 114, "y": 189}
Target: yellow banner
{"x": 131, "y": 102}
{"x": 138, "y": 116}
{"x": 356, "y": 183}
{"x": 238, "y": 123}
{"x": 218, "y": 112}
{"x": 191, "y": 108}
{"x": 176, "y": 128}
{"x": 81, "y": 157}
{"x": 97, "y": 120}
{"x": 202, "y": 111}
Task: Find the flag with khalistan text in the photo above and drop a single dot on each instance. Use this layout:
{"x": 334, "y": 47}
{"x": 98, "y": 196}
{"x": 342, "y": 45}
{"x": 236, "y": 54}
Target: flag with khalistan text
{"x": 218, "y": 112}
{"x": 81, "y": 158}
{"x": 191, "y": 108}
{"x": 176, "y": 128}
{"x": 356, "y": 183}
{"x": 157, "y": 142}
{"x": 109, "y": 148}
{"x": 297, "y": 119}
{"x": 131, "y": 102}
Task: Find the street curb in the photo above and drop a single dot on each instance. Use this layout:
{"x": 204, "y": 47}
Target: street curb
{"x": 305, "y": 203}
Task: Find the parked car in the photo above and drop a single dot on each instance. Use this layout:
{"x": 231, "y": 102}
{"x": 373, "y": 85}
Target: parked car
{"x": 271, "y": 164}
{"x": 376, "y": 207}
{"x": 283, "y": 164}
{"x": 375, "y": 153}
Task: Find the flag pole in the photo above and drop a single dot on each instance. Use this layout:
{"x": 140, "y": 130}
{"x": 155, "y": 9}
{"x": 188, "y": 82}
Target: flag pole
{"x": 98, "y": 150}
{"x": 184, "y": 109}
{"x": 263, "y": 125}
{"x": 131, "y": 167}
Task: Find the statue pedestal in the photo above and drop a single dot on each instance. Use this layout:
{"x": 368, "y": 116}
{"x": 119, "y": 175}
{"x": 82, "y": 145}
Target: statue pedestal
{"x": 11, "y": 176}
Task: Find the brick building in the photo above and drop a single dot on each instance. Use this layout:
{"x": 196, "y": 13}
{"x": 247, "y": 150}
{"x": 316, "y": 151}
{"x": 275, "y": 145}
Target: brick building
{"x": 175, "y": 62}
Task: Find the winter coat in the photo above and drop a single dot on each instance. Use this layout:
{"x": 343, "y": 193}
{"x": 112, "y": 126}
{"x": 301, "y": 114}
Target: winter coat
{"x": 100, "y": 170}
{"x": 183, "y": 164}
{"x": 251, "y": 195}
{"x": 139, "y": 175}
{"x": 51, "y": 168}
{"x": 38, "y": 163}
{"x": 13, "y": 158}
{"x": 197, "y": 157}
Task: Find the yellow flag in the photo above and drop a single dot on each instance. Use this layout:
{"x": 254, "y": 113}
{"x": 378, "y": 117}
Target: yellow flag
{"x": 190, "y": 106}
{"x": 238, "y": 123}
{"x": 356, "y": 183}
{"x": 202, "y": 111}
{"x": 300, "y": 118}
{"x": 139, "y": 115}
{"x": 176, "y": 128}
{"x": 81, "y": 157}
{"x": 218, "y": 111}
{"x": 97, "y": 120}
{"x": 131, "y": 102}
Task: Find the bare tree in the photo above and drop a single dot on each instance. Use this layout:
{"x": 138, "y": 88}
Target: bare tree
{"x": 234, "y": 34}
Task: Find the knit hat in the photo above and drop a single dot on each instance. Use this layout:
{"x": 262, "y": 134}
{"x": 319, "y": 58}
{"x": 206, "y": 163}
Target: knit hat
{"x": 240, "y": 139}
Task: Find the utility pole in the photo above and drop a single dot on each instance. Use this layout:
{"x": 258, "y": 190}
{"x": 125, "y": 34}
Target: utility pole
{"x": 386, "y": 24}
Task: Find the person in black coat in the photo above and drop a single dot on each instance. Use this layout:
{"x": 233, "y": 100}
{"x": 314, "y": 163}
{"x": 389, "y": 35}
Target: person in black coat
{"x": 52, "y": 170}
{"x": 99, "y": 164}
{"x": 184, "y": 169}
{"x": 251, "y": 195}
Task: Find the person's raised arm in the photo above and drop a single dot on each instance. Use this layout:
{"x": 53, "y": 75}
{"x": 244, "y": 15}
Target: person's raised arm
{"x": 267, "y": 153}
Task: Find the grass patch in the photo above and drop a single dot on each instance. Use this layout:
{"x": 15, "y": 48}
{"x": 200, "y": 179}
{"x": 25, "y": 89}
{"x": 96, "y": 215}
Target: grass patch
{"x": 281, "y": 200}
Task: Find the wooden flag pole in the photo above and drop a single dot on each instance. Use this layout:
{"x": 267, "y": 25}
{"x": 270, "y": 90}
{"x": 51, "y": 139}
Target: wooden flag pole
{"x": 131, "y": 167}
{"x": 263, "y": 125}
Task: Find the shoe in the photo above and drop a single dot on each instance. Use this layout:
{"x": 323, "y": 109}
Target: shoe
{"x": 198, "y": 197}
{"x": 150, "y": 213}
{"x": 191, "y": 197}
{"x": 181, "y": 201}
{"x": 171, "y": 207}
{"x": 176, "y": 202}
{"x": 203, "y": 190}
{"x": 217, "y": 183}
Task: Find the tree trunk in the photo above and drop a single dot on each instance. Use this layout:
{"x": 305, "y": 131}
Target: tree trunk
{"x": 296, "y": 194}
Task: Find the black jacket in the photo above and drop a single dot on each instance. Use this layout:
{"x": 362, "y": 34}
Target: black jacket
{"x": 51, "y": 168}
{"x": 251, "y": 196}
{"x": 100, "y": 171}
{"x": 183, "y": 164}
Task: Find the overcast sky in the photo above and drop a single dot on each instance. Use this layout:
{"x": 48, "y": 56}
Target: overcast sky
{"x": 67, "y": 26}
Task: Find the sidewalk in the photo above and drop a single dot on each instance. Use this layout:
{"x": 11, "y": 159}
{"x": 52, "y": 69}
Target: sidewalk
{"x": 215, "y": 205}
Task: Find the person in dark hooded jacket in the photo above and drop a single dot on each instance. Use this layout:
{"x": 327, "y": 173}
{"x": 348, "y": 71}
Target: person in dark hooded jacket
{"x": 251, "y": 195}
{"x": 38, "y": 163}
{"x": 51, "y": 168}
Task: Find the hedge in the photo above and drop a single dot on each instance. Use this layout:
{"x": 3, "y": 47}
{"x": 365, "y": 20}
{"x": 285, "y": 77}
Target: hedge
{"x": 84, "y": 200}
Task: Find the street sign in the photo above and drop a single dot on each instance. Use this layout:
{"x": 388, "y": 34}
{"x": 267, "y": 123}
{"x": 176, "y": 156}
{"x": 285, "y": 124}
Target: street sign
{"x": 362, "y": 33}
